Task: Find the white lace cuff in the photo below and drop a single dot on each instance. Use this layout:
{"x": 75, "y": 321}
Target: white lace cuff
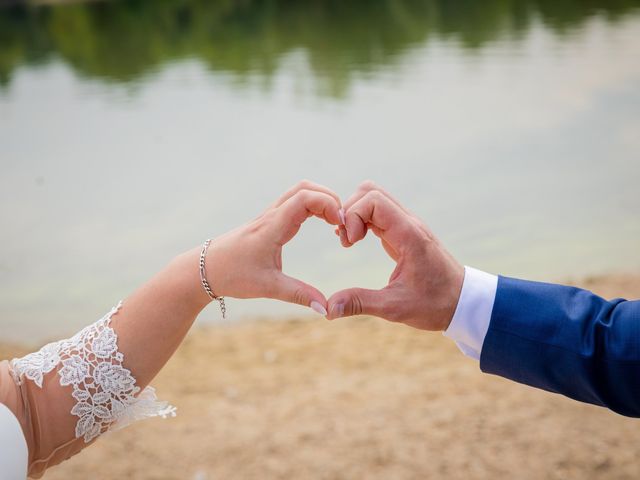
{"x": 106, "y": 394}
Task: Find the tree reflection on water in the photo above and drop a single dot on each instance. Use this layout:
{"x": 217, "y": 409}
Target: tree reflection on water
{"x": 120, "y": 41}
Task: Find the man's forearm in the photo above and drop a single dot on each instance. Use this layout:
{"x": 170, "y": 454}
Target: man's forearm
{"x": 566, "y": 340}
{"x": 557, "y": 338}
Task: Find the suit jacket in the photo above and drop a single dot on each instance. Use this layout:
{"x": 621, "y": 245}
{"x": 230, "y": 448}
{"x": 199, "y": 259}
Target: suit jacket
{"x": 566, "y": 340}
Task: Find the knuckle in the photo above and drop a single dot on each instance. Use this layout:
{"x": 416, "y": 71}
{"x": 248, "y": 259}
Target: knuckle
{"x": 302, "y": 195}
{"x": 374, "y": 196}
{"x": 358, "y": 308}
{"x": 305, "y": 184}
{"x": 355, "y": 305}
{"x": 368, "y": 185}
{"x": 299, "y": 296}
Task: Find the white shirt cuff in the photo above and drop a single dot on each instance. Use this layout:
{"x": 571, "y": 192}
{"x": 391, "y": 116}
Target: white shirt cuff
{"x": 13, "y": 447}
{"x": 471, "y": 319}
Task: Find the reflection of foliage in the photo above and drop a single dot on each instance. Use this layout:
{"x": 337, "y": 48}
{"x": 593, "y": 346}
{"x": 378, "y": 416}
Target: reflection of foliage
{"x": 122, "y": 40}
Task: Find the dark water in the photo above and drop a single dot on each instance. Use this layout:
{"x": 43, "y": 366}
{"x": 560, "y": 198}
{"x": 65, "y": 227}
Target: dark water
{"x": 130, "y": 131}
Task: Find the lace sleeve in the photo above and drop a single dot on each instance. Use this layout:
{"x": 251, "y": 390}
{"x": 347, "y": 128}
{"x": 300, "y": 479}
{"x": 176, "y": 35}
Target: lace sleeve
{"x": 104, "y": 392}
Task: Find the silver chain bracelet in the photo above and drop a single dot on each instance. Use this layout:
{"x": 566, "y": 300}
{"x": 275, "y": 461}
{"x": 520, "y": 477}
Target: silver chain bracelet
{"x": 205, "y": 283}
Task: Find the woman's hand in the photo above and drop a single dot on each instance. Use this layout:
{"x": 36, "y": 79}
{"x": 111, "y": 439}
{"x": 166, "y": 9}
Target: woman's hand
{"x": 247, "y": 262}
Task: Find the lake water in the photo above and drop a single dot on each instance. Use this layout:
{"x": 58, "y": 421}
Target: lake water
{"x": 131, "y": 131}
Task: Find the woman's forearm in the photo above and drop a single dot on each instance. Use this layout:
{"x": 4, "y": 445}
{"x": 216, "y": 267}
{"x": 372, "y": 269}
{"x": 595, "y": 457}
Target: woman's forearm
{"x": 102, "y": 370}
{"x": 155, "y": 318}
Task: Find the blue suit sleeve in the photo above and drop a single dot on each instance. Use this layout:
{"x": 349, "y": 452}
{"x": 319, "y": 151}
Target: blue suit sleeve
{"x": 566, "y": 340}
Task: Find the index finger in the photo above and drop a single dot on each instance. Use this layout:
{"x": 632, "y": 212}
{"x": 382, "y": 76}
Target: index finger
{"x": 363, "y": 189}
{"x": 302, "y": 205}
{"x": 305, "y": 185}
{"x": 370, "y": 186}
{"x": 388, "y": 220}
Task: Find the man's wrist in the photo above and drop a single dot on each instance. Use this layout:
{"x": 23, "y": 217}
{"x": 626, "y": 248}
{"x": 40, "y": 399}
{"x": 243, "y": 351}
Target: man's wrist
{"x": 472, "y": 316}
{"x": 455, "y": 292}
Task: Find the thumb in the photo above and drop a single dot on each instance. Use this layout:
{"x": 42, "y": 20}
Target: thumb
{"x": 292, "y": 290}
{"x": 357, "y": 301}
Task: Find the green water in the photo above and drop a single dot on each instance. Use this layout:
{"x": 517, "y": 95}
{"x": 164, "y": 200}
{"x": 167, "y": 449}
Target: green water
{"x": 130, "y": 131}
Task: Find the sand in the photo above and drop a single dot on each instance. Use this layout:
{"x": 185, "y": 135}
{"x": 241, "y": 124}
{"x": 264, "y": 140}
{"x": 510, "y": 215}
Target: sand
{"x": 356, "y": 399}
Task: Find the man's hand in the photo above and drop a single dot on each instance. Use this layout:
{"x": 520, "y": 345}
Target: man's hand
{"x": 425, "y": 286}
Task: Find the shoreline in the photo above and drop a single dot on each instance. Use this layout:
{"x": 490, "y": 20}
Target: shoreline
{"x": 609, "y": 286}
{"x": 352, "y": 399}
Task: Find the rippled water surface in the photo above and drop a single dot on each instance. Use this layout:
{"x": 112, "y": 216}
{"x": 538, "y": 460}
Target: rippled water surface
{"x": 130, "y": 131}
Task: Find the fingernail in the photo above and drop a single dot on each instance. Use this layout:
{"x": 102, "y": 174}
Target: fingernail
{"x": 341, "y": 213}
{"x": 337, "y": 310}
{"x": 317, "y": 307}
{"x": 343, "y": 236}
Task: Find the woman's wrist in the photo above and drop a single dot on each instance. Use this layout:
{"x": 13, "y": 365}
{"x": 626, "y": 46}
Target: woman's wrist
{"x": 185, "y": 278}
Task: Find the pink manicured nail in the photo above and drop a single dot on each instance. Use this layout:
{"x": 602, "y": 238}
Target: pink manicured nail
{"x": 316, "y": 307}
{"x": 341, "y": 213}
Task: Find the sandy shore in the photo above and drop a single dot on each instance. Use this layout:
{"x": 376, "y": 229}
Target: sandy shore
{"x": 356, "y": 399}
